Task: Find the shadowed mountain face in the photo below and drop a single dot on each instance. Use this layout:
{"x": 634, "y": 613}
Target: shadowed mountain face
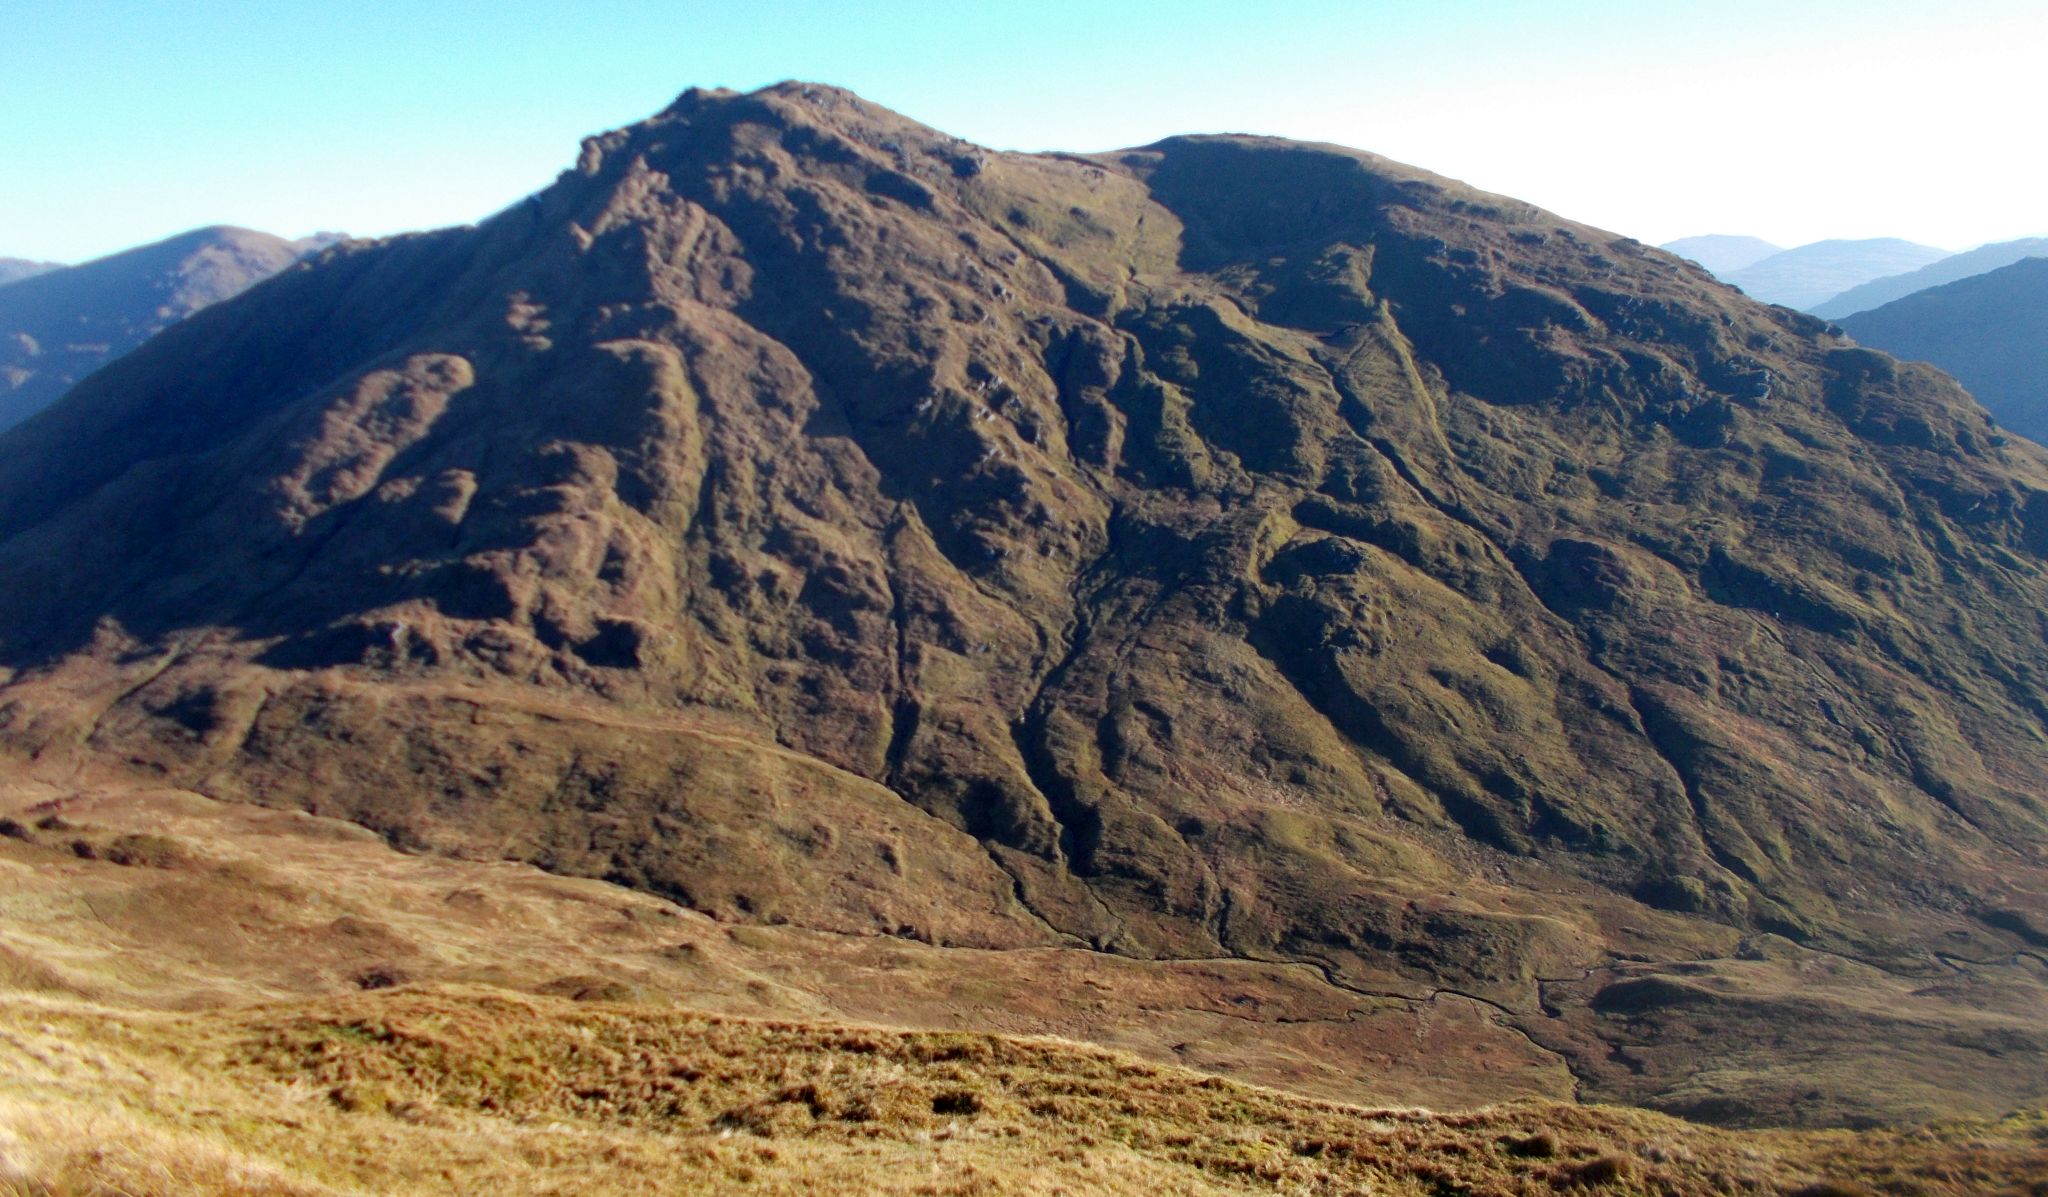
{"x": 1951, "y": 269}
{"x": 1228, "y": 548}
{"x": 1807, "y": 275}
{"x": 59, "y": 324}
{"x": 1990, "y": 330}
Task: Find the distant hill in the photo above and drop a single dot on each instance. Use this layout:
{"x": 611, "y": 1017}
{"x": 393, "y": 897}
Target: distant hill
{"x": 1721, "y": 253}
{"x": 1948, "y": 270}
{"x": 16, "y": 269}
{"x": 1813, "y": 274}
{"x": 313, "y": 243}
{"x": 63, "y": 323}
{"x": 1989, "y": 330}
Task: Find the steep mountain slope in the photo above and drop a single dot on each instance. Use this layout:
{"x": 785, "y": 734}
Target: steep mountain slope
{"x": 60, "y": 325}
{"x": 1807, "y": 275}
{"x": 16, "y": 269}
{"x": 1721, "y": 253}
{"x": 1229, "y": 548}
{"x": 1951, "y": 269}
{"x": 1989, "y": 330}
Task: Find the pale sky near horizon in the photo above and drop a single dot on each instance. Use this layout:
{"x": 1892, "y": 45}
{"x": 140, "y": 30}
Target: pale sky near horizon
{"x": 125, "y": 121}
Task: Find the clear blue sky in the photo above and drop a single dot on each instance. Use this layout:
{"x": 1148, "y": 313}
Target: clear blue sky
{"x": 122, "y": 122}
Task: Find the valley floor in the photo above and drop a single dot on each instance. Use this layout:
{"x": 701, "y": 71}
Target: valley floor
{"x": 199, "y": 997}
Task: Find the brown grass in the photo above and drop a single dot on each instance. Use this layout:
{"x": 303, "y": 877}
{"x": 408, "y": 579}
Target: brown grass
{"x": 274, "y": 905}
{"x": 467, "y": 1089}
{"x": 293, "y": 1008}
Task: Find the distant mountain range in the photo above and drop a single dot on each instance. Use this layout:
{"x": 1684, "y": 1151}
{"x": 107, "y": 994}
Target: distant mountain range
{"x": 1981, "y": 315}
{"x": 1721, "y": 253}
{"x": 1882, "y": 291}
{"x": 1812, "y": 274}
{"x": 15, "y": 269}
{"x": 1833, "y": 279}
{"x": 1989, "y": 330}
{"x": 59, "y": 324}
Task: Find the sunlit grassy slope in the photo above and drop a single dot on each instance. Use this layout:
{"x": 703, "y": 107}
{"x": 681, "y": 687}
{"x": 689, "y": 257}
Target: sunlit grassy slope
{"x": 472, "y": 1090}
{"x": 208, "y": 998}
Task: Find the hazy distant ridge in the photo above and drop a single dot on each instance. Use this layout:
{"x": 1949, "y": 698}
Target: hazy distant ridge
{"x": 1721, "y": 253}
{"x": 1813, "y": 274}
{"x": 16, "y": 269}
{"x": 1948, "y": 270}
{"x": 65, "y": 322}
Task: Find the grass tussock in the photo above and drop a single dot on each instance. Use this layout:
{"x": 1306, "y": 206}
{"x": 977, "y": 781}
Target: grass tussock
{"x": 64, "y": 1150}
{"x": 444, "y": 1091}
{"x": 141, "y": 850}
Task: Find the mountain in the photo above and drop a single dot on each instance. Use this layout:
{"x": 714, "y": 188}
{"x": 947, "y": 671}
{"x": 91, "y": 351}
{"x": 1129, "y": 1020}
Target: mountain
{"x": 1231, "y": 555}
{"x": 63, "y": 323}
{"x": 1948, "y": 270}
{"x": 1990, "y": 330}
{"x": 1721, "y": 253}
{"x": 1808, "y": 275}
{"x": 16, "y": 269}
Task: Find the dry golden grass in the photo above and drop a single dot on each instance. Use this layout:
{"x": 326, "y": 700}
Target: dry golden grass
{"x": 464, "y": 1090}
{"x": 275, "y": 905}
{"x": 183, "y": 1010}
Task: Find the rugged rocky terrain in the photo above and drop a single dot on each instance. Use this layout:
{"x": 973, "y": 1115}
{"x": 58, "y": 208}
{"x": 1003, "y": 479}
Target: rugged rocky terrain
{"x": 59, "y": 324}
{"x": 1990, "y": 330}
{"x": 1231, "y": 549}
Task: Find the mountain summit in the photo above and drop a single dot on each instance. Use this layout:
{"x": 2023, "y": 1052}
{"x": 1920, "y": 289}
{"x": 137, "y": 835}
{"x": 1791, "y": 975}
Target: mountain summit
{"x": 1231, "y": 547}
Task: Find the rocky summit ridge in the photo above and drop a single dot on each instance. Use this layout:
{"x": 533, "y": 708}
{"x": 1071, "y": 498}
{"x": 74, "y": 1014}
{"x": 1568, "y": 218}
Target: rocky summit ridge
{"x": 1228, "y": 548}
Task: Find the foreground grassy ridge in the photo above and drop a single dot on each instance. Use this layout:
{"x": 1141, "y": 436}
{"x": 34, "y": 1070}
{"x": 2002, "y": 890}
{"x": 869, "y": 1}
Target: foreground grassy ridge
{"x": 277, "y": 906}
{"x": 456, "y": 1090}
